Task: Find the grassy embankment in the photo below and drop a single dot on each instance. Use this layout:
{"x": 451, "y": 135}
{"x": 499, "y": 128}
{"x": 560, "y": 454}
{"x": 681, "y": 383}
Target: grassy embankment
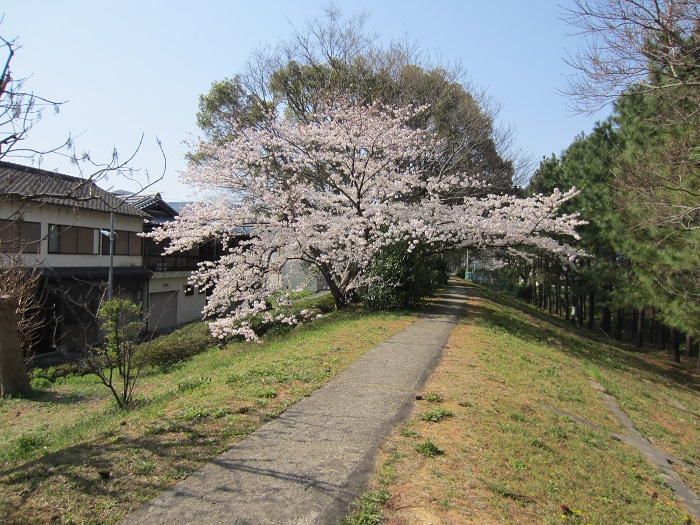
{"x": 495, "y": 438}
{"x": 68, "y": 455}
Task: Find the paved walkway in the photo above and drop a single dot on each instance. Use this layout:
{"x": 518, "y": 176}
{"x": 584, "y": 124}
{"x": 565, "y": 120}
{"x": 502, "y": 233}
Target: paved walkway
{"x": 306, "y": 466}
{"x": 656, "y": 456}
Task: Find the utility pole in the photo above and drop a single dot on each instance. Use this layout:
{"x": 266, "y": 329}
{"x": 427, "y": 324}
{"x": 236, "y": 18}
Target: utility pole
{"x": 110, "y": 282}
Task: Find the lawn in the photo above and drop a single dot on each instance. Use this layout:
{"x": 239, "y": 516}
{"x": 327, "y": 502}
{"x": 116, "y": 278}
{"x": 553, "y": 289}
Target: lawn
{"x": 69, "y": 456}
{"x": 509, "y": 429}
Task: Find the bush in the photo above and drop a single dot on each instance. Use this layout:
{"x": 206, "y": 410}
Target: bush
{"x": 178, "y": 346}
{"x": 400, "y": 278}
{"x": 43, "y": 378}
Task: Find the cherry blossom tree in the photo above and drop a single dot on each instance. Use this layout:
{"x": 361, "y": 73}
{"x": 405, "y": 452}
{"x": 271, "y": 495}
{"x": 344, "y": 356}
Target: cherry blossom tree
{"x": 330, "y": 192}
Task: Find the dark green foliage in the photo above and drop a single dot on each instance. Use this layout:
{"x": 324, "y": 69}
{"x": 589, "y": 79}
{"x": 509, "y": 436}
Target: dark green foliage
{"x": 401, "y": 278}
{"x": 640, "y": 181}
{"x": 178, "y": 346}
{"x": 658, "y": 183}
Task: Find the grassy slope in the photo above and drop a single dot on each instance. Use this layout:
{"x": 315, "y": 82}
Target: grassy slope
{"x": 68, "y": 456}
{"x": 508, "y": 457}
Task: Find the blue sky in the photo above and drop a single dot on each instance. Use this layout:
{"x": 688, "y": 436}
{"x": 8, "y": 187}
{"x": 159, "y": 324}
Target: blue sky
{"x": 129, "y": 68}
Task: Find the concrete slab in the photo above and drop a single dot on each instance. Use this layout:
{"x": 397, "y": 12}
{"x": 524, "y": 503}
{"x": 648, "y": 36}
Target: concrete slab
{"x": 306, "y": 466}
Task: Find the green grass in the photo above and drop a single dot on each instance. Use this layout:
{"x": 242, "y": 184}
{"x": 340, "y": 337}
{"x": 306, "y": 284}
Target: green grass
{"x": 511, "y": 376}
{"x": 55, "y": 444}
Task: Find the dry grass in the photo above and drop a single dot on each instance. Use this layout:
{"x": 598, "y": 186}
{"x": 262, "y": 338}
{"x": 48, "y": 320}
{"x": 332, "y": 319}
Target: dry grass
{"x": 510, "y": 457}
{"x": 69, "y": 456}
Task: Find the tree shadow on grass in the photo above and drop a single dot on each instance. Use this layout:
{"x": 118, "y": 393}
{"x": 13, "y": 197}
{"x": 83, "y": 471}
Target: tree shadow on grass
{"x": 115, "y": 472}
{"x": 586, "y": 345}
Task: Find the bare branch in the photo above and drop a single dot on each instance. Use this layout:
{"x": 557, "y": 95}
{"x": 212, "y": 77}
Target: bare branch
{"x": 652, "y": 44}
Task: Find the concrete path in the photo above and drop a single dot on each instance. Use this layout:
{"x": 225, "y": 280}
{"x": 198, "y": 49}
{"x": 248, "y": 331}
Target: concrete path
{"x": 306, "y": 466}
{"x": 656, "y": 456}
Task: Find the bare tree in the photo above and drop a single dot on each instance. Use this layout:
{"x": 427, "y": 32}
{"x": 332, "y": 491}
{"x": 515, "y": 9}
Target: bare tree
{"x": 652, "y": 44}
{"x": 20, "y": 110}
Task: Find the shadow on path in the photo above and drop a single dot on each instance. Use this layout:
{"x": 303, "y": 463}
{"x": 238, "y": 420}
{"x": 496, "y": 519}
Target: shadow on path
{"x": 308, "y": 465}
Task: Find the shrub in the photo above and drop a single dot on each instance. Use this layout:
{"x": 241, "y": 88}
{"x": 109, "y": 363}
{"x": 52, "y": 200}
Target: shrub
{"x": 178, "y": 346}
{"x": 401, "y": 278}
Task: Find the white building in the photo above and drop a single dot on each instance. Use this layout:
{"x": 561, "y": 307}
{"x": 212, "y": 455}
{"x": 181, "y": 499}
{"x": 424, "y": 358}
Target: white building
{"x": 59, "y": 225}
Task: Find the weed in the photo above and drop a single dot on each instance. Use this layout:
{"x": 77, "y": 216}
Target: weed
{"x": 29, "y": 443}
{"x": 195, "y": 413}
{"x": 192, "y": 384}
{"x": 571, "y": 393}
{"x": 409, "y": 433}
{"x": 520, "y": 465}
{"x": 559, "y": 433}
{"x": 517, "y": 416}
{"x": 538, "y": 443}
{"x": 435, "y": 416}
{"x": 432, "y": 397}
{"x": 429, "y": 449}
{"x": 266, "y": 393}
{"x": 550, "y": 371}
{"x": 368, "y": 510}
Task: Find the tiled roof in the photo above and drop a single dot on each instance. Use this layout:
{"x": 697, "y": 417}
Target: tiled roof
{"x": 26, "y": 182}
{"x": 144, "y": 201}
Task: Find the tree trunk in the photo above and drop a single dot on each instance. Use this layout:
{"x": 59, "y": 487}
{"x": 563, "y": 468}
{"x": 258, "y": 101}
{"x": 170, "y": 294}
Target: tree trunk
{"x": 662, "y": 336}
{"x": 566, "y": 296}
{"x": 581, "y": 313}
{"x": 591, "y": 310}
{"x": 607, "y": 319}
{"x": 654, "y": 329}
{"x": 675, "y": 353}
{"x": 688, "y": 345}
{"x": 618, "y": 323}
{"x": 13, "y": 374}
{"x": 639, "y": 327}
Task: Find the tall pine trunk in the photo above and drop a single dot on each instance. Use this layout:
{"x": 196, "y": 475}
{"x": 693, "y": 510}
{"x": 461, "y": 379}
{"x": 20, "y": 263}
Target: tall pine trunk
{"x": 606, "y": 314}
{"x": 675, "y": 353}
{"x": 581, "y": 312}
{"x": 620, "y": 319}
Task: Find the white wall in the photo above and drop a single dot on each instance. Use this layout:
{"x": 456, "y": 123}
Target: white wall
{"x": 189, "y": 307}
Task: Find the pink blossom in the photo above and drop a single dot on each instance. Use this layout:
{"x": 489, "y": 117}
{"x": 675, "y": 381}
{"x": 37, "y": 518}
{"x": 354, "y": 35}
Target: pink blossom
{"x": 330, "y": 193}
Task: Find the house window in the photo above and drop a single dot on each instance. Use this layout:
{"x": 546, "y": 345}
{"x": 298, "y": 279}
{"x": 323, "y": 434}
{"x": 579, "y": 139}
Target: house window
{"x": 71, "y": 239}
{"x": 125, "y": 243}
{"x": 20, "y": 236}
